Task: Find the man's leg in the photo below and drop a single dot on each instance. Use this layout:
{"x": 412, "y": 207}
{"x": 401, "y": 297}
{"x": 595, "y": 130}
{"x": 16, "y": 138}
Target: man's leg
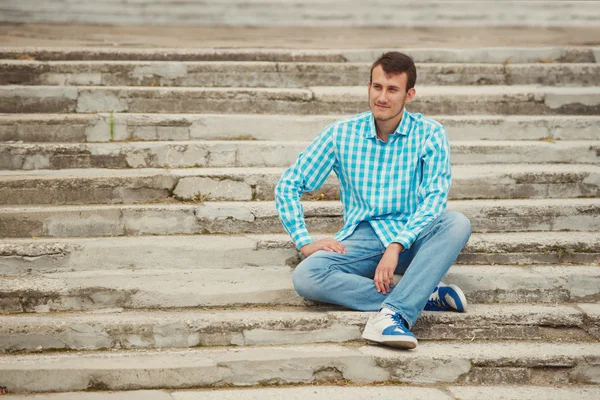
{"x": 424, "y": 265}
{"x": 344, "y": 279}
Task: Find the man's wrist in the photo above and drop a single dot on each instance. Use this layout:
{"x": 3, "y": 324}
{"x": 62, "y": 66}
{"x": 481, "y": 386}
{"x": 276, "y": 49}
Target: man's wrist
{"x": 395, "y": 247}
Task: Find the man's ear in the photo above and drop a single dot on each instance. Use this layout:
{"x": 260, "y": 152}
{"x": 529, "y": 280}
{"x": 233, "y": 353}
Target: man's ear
{"x": 410, "y": 94}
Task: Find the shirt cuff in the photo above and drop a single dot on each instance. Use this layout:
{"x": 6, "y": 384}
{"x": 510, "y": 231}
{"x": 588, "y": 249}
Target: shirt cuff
{"x": 302, "y": 238}
{"x": 406, "y": 239}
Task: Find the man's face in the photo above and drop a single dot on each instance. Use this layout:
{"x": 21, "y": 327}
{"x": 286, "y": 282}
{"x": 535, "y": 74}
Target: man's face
{"x": 387, "y": 94}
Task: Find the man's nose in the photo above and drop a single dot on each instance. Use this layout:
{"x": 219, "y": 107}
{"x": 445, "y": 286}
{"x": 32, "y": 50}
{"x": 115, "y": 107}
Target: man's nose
{"x": 382, "y": 97}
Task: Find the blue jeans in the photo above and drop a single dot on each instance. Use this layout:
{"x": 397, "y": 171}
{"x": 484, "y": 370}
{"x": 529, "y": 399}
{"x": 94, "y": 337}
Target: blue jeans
{"x": 347, "y": 279}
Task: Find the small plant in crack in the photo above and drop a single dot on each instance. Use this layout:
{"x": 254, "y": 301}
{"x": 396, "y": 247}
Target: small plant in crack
{"x": 112, "y": 125}
{"x": 200, "y": 197}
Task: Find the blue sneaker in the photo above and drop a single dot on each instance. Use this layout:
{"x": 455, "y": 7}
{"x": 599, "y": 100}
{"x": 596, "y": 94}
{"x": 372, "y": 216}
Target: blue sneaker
{"x": 387, "y": 327}
{"x": 447, "y": 298}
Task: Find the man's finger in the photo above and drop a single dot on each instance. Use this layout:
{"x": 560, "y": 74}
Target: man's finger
{"x": 335, "y": 248}
{"x": 376, "y": 280}
{"x": 386, "y": 285}
{"x": 391, "y": 277}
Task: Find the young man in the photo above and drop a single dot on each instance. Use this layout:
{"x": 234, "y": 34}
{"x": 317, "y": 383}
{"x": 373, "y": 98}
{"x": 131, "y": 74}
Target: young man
{"x": 394, "y": 173}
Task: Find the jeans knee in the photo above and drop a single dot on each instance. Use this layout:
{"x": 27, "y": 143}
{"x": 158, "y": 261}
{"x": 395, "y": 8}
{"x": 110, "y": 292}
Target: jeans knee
{"x": 459, "y": 223}
{"x": 303, "y": 280}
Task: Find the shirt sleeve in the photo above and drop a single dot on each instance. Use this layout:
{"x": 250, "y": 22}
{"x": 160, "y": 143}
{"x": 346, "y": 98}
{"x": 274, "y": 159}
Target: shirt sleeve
{"x": 308, "y": 173}
{"x": 433, "y": 190}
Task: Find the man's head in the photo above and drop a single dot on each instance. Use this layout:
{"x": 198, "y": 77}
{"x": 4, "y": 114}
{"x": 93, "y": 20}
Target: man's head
{"x": 393, "y": 78}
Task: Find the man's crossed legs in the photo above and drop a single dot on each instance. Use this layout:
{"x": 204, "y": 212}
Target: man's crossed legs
{"x": 347, "y": 279}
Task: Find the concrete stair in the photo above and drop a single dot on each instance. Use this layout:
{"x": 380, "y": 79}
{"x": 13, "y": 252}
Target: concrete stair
{"x": 315, "y": 392}
{"x": 261, "y": 217}
{"x": 474, "y": 55}
{"x": 117, "y": 127}
{"x": 307, "y": 14}
{"x": 63, "y": 186}
{"x": 132, "y": 329}
{"x": 254, "y": 154}
{"x": 47, "y": 255}
{"x": 207, "y": 287}
{"x": 452, "y": 100}
{"x": 489, "y": 363}
{"x": 142, "y": 253}
{"x": 278, "y": 75}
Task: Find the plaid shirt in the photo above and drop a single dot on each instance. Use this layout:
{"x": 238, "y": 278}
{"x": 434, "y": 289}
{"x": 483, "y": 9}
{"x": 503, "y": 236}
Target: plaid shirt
{"x": 398, "y": 186}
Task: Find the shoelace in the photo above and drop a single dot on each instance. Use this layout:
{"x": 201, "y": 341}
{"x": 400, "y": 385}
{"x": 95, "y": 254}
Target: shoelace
{"x": 399, "y": 321}
{"x": 437, "y": 303}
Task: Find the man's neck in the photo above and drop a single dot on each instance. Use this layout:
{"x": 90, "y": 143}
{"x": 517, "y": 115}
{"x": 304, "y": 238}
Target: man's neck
{"x": 386, "y": 128}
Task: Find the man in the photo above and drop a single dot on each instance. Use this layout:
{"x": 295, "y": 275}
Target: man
{"x": 394, "y": 173}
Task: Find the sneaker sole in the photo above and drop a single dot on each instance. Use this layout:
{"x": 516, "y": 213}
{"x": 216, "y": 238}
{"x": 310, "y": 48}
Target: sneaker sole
{"x": 402, "y": 342}
{"x": 461, "y": 302}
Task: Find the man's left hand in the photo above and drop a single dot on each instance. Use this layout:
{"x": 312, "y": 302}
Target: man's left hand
{"x": 384, "y": 274}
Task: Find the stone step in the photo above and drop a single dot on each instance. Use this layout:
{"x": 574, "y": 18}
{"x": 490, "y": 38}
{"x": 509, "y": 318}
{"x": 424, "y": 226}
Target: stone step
{"x": 24, "y": 256}
{"x": 306, "y": 14}
{"x": 250, "y": 327}
{"x": 105, "y": 127}
{"x": 493, "y": 55}
{"x": 262, "y": 217}
{"x": 504, "y": 362}
{"x": 280, "y": 75}
{"x": 571, "y": 392}
{"x": 451, "y": 100}
{"x": 132, "y": 289}
{"x": 256, "y": 154}
{"x": 64, "y": 186}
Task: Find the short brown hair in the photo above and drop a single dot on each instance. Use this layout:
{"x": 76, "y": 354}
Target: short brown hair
{"x": 393, "y": 63}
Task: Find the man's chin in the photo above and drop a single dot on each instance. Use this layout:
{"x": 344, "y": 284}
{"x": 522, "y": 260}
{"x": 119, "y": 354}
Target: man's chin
{"x": 382, "y": 117}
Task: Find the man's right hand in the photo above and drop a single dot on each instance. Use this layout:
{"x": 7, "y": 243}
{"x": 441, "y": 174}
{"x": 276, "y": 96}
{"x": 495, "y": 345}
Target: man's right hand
{"x": 323, "y": 244}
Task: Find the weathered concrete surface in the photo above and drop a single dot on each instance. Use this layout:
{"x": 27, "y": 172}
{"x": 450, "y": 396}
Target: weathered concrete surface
{"x": 291, "y": 393}
{"x": 257, "y": 154}
{"x": 248, "y": 327}
{"x": 95, "y": 186}
{"x": 524, "y": 392}
{"x": 287, "y": 38}
{"x": 571, "y": 392}
{"x": 309, "y": 14}
{"x": 280, "y": 75}
{"x": 93, "y": 290}
{"x": 434, "y": 362}
{"x": 451, "y": 100}
{"x": 261, "y": 217}
{"x": 24, "y": 256}
{"x": 89, "y": 186}
{"x": 592, "y": 312}
{"x": 46, "y": 127}
{"x": 173, "y": 127}
{"x": 102, "y": 395}
{"x": 483, "y": 55}
{"x": 19, "y": 99}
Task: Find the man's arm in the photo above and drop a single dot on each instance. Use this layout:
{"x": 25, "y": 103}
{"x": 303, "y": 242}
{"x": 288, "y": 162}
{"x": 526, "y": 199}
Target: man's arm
{"x": 432, "y": 197}
{"x": 433, "y": 190}
{"x": 308, "y": 173}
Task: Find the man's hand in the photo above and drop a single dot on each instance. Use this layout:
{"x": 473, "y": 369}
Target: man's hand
{"x": 323, "y": 244}
{"x": 384, "y": 274}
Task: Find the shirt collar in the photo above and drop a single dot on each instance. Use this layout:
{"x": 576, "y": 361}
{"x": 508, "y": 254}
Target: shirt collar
{"x": 403, "y": 127}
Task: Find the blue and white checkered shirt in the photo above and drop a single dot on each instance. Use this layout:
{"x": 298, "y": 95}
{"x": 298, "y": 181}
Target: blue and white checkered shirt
{"x": 398, "y": 186}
